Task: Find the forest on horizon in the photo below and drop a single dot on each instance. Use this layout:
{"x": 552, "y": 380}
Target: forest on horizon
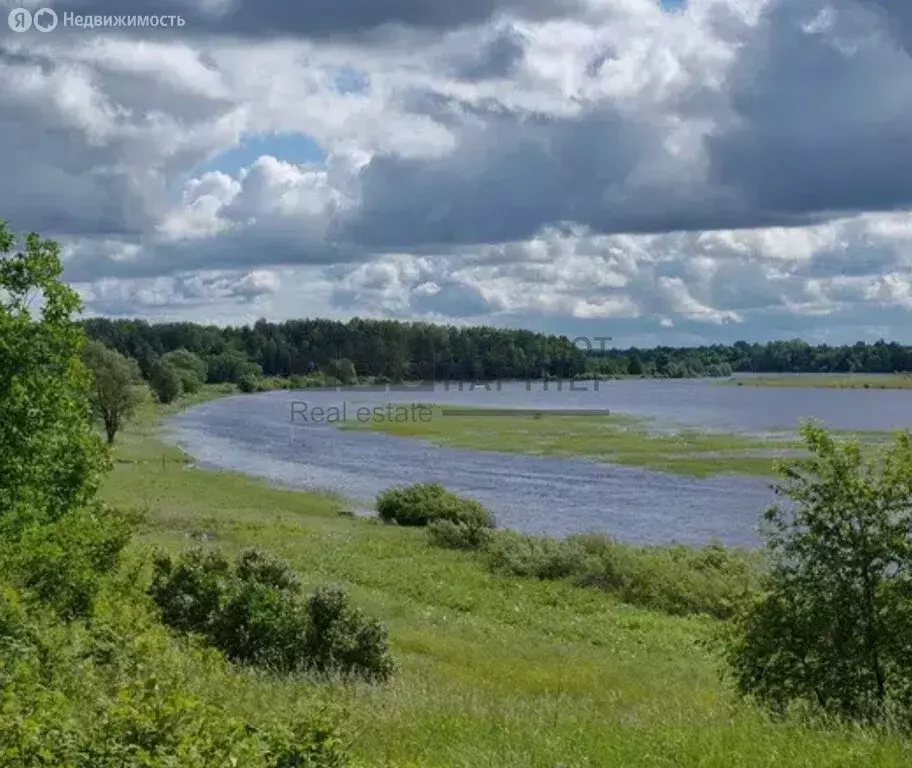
{"x": 397, "y": 351}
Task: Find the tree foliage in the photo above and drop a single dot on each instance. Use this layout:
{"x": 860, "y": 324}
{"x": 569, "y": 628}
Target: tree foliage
{"x": 51, "y": 458}
{"x": 422, "y": 503}
{"x": 165, "y": 382}
{"x": 191, "y": 369}
{"x": 833, "y": 627}
{"x": 113, "y": 395}
{"x": 254, "y": 613}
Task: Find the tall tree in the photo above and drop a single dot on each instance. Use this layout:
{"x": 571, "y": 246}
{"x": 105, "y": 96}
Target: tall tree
{"x": 165, "y": 382}
{"x": 114, "y": 396}
{"x": 51, "y": 457}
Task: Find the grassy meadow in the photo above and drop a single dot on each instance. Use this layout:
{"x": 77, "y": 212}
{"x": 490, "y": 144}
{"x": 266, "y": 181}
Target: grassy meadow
{"x": 493, "y": 671}
{"x": 614, "y": 438}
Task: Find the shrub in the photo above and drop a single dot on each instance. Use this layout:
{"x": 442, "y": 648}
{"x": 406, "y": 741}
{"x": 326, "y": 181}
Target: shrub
{"x": 62, "y": 563}
{"x": 253, "y": 613}
{"x": 165, "y": 382}
{"x": 419, "y": 504}
{"x": 532, "y": 556}
{"x": 676, "y": 579}
{"x": 117, "y": 693}
{"x": 831, "y": 628}
{"x": 260, "y": 625}
{"x": 254, "y": 565}
{"x": 449, "y": 535}
{"x": 190, "y": 592}
{"x": 339, "y": 637}
{"x": 248, "y": 383}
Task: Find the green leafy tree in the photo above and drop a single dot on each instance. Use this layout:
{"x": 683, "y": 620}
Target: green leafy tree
{"x": 114, "y": 396}
{"x": 51, "y": 458}
{"x": 833, "y": 627}
{"x": 231, "y": 367}
{"x": 165, "y": 382}
{"x": 191, "y": 369}
{"x": 343, "y": 371}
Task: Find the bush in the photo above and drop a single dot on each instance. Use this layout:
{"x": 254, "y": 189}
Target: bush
{"x": 249, "y": 383}
{"x": 676, "y": 579}
{"x": 117, "y": 693}
{"x": 450, "y": 535}
{"x": 532, "y": 556}
{"x": 339, "y": 637}
{"x": 831, "y": 627}
{"x": 63, "y": 563}
{"x": 165, "y": 382}
{"x": 419, "y": 504}
{"x": 254, "y": 614}
{"x": 260, "y": 625}
{"x": 190, "y": 592}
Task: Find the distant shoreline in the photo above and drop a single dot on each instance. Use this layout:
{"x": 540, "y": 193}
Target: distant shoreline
{"x": 824, "y": 380}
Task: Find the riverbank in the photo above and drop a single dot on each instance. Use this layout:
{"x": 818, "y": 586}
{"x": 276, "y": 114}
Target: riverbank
{"x": 495, "y": 672}
{"x": 826, "y": 381}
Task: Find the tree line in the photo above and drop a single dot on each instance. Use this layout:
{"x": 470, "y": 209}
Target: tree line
{"x": 792, "y": 356}
{"x": 388, "y": 351}
{"x": 372, "y": 349}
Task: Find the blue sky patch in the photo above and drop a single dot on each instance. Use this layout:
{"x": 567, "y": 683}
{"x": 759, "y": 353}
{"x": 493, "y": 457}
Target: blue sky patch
{"x": 295, "y": 148}
{"x": 349, "y": 80}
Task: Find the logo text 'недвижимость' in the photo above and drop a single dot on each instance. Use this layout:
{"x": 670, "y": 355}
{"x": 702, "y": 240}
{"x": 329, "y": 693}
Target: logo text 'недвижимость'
{"x": 47, "y": 20}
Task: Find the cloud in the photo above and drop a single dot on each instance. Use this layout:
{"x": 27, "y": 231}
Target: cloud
{"x": 319, "y": 18}
{"x": 734, "y": 166}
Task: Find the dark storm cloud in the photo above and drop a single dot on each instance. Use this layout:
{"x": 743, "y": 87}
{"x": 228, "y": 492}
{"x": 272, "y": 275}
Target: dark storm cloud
{"x": 496, "y": 58}
{"x": 898, "y": 14}
{"x": 320, "y": 18}
{"x": 518, "y": 173}
{"x": 825, "y": 116}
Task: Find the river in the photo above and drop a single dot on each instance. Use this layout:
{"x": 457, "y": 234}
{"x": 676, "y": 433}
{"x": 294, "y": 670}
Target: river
{"x": 255, "y": 434}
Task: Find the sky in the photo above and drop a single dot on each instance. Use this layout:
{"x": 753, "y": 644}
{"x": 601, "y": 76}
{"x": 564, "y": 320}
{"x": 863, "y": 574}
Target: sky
{"x": 657, "y": 171}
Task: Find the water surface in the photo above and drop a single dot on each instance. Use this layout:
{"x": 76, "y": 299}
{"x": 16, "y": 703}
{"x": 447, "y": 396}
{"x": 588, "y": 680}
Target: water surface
{"x": 256, "y": 434}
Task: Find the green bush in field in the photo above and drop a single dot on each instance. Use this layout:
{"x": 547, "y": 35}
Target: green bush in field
{"x": 419, "y": 504}
{"x": 260, "y": 625}
{"x": 675, "y": 579}
{"x": 117, "y": 693}
{"x": 532, "y": 556}
{"x": 450, "y": 535}
{"x": 254, "y": 565}
{"x": 253, "y": 612}
{"x": 340, "y": 638}
{"x": 831, "y": 627}
{"x": 190, "y": 592}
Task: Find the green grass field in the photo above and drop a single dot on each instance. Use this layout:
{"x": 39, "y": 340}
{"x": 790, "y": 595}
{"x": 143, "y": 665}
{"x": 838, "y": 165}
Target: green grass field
{"x": 493, "y": 672}
{"x": 618, "y": 439}
{"x": 833, "y": 381}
